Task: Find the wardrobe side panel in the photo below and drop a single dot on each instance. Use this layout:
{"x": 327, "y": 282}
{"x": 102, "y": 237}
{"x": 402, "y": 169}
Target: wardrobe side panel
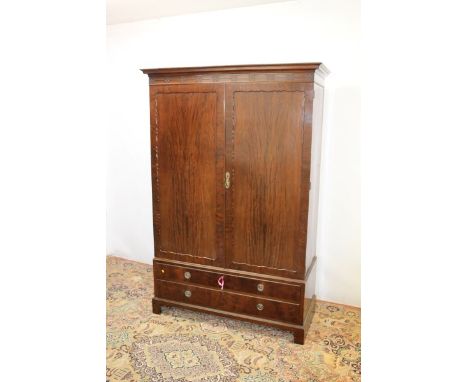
{"x": 316, "y": 154}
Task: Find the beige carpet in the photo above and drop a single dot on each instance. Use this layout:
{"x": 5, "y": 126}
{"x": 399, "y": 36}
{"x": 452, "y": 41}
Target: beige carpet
{"x": 180, "y": 345}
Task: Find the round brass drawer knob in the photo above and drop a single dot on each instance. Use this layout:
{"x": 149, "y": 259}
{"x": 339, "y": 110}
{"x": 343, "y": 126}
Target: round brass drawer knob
{"x": 187, "y": 275}
{"x": 260, "y": 287}
{"x": 188, "y": 293}
{"x": 259, "y": 306}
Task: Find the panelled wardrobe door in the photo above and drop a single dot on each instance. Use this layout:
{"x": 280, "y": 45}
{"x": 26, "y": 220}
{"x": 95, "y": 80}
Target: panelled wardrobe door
{"x": 187, "y": 142}
{"x": 268, "y": 133}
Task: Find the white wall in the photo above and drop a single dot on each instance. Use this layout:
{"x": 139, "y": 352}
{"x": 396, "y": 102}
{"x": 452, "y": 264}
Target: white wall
{"x": 298, "y": 31}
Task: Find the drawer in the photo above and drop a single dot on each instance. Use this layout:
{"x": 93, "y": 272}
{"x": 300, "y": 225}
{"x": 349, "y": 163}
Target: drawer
{"x": 189, "y": 294}
{"x": 229, "y": 301}
{"x": 278, "y": 290}
{"x": 262, "y": 307}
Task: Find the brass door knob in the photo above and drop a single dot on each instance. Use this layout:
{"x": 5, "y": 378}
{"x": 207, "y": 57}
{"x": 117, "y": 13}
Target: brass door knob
{"x": 188, "y": 293}
{"x": 259, "y": 306}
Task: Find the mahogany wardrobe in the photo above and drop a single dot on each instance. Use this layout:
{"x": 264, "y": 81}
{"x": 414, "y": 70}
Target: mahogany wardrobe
{"x": 235, "y": 160}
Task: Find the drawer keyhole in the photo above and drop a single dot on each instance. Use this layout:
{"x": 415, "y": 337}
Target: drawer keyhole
{"x": 187, "y": 293}
{"x": 187, "y": 275}
{"x": 259, "y": 306}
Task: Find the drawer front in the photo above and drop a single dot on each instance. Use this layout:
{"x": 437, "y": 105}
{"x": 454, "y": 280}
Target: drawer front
{"x": 229, "y": 301}
{"x": 189, "y": 294}
{"x": 262, "y": 307}
{"x": 186, "y": 275}
{"x": 283, "y": 291}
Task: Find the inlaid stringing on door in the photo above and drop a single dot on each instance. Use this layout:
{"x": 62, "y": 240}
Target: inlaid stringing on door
{"x": 265, "y": 156}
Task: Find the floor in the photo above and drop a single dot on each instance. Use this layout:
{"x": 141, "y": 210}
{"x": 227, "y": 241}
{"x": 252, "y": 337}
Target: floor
{"x": 180, "y": 345}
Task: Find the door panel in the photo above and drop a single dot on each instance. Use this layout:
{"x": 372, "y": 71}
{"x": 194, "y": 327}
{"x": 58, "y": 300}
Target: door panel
{"x": 188, "y": 172}
{"x": 268, "y": 143}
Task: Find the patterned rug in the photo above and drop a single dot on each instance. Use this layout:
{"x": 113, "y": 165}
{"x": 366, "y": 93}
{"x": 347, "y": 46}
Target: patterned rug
{"x": 180, "y": 345}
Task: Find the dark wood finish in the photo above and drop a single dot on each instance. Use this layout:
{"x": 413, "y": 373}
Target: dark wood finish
{"x": 309, "y": 67}
{"x": 309, "y": 311}
{"x": 225, "y": 78}
{"x": 188, "y": 171}
{"x": 244, "y": 73}
{"x": 198, "y": 295}
{"x": 234, "y": 272}
{"x": 262, "y": 125}
{"x": 262, "y": 307}
{"x": 268, "y": 161}
{"x": 229, "y": 301}
{"x": 156, "y": 307}
{"x": 299, "y": 336}
{"x": 298, "y": 331}
{"x": 245, "y": 317}
{"x": 283, "y": 291}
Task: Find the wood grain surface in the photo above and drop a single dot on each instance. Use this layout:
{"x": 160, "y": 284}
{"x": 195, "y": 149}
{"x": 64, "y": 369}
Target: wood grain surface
{"x": 265, "y": 140}
{"x": 255, "y": 122}
{"x": 189, "y": 141}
